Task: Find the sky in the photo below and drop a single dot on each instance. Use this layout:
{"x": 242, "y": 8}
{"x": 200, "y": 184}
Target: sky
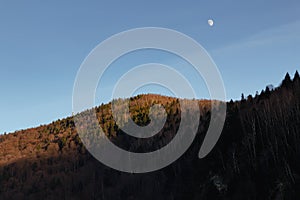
{"x": 42, "y": 45}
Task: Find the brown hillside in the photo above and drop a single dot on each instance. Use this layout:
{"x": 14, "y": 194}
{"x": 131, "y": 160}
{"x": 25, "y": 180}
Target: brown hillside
{"x": 257, "y": 156}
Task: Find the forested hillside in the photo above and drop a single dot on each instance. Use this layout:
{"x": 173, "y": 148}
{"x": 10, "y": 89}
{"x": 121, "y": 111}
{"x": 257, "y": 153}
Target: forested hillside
{"x": 257, "y": 156}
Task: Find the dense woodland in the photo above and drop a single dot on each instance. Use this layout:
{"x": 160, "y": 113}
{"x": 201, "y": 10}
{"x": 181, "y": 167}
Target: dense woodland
{"x": 257, "y": 156}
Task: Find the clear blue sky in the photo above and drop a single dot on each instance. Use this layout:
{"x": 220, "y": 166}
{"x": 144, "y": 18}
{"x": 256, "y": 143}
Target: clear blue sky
{"x": 43, "y": 43}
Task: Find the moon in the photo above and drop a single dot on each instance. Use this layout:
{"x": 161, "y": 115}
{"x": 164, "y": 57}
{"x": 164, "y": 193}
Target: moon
{"x": 210, "y": 22}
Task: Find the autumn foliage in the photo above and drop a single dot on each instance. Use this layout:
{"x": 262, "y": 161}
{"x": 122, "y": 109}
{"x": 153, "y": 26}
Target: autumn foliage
{"x": 257, "y": 156}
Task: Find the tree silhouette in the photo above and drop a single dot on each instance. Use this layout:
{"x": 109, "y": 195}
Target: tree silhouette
{"x": 287, "y": 81}
{"x": 243, "y": 97}
{"x": 267, "y": 92}
{"x": 296, "y": 76}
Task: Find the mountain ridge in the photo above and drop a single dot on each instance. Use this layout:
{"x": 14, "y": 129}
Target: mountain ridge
{"x": 255, "y": 158}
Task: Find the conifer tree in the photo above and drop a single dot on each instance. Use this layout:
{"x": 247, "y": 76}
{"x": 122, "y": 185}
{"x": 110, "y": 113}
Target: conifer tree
{"x": 287, "y": 81}
{"x": 296, "y": 76}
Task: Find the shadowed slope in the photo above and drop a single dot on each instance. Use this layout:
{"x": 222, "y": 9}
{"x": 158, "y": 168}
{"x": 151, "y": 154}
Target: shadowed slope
{"x": 257, "y": 156}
